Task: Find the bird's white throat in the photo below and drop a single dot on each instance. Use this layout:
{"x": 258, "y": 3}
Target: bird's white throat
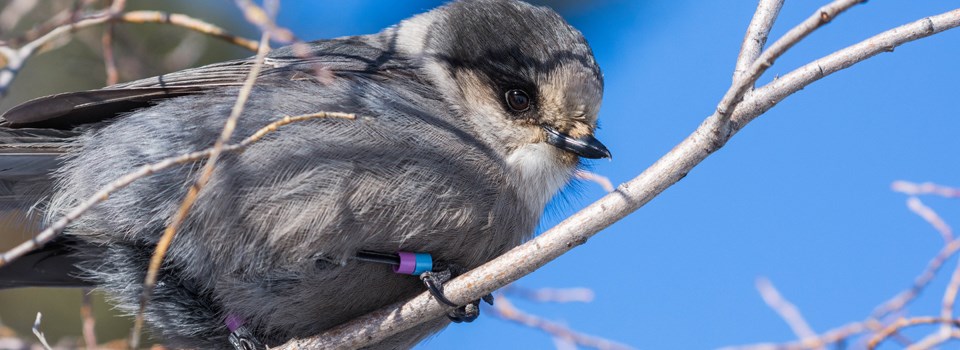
{"x": 538, "y": 174}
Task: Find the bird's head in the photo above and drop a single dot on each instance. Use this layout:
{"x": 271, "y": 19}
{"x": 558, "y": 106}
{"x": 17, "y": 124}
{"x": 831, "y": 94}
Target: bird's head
{"x": 518, "y": 71}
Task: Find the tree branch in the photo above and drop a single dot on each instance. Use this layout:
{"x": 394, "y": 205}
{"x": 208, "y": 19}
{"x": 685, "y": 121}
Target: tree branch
{"x": 628, "y": 197}
{"x": 740, "y": 86}
{"x": 756, "y": 37}
{"x": 776, "y": 91}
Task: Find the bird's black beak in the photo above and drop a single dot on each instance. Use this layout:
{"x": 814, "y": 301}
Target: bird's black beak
{"x": 585, "y": 146}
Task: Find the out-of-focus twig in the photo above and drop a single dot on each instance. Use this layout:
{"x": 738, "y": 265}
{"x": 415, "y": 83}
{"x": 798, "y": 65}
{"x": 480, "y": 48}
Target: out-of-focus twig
{"x": 945, "y": 331}
{"x": 876, "y": 327}
{"x": 69, "y": 14}
{"x": 260, "y": 17}
{"x": 787, "y": 311}
{"x": 86, "y": 317}
{"x": 915, "y": 189}
{"x": 551, "y": 295}
{"x": 109, "y": 61}
{"x": 15, "y": 58}
{"x": 931, "y": 217}
{"x": 902, "y": 323}
{"x": 905, "y": 297}
{"x": 205, "y": 174}
{"x": 163, "y": 244}
{"x": 39, "y": 333}
{"x": 504, "y": 309}
{"x": 186, "y": 53}
{"x": 11, "y": 14}
{"x": 601, "y": 180}
{"x": 830, "y": 337}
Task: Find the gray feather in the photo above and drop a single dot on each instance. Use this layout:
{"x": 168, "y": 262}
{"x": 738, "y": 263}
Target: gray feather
{"x": 432, "y": 163}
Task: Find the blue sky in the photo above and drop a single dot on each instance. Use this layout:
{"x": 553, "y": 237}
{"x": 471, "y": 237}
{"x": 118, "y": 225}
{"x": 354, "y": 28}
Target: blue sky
{"x": 801, "y": 196}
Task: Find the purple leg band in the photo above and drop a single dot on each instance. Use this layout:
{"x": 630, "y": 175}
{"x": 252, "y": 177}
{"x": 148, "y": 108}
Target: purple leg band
{"x": 408, "y": 263}
{"x": 233, "y": 322}
{"x": 414, "y": 263}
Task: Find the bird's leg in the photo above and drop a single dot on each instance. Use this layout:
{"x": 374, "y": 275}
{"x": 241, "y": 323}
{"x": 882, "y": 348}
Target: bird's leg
{"x": 434, "y": 281}
{"x": 432, "y": 275}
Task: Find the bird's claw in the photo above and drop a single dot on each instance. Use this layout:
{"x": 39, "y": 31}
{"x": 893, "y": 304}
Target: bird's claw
{"x": 243, "y": 339}
{"x": 434, "y": 281}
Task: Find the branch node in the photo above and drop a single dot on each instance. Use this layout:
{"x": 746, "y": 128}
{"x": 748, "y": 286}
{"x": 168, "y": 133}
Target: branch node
{"x": 825, "y": 17}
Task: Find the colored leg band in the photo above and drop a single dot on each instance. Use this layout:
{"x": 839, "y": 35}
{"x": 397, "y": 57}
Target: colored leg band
{"x": 233, "y": 322}
{"x": 414, "y": 263}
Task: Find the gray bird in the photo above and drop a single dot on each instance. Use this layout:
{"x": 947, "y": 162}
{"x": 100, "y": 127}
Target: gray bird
{"x": 470, "y": 117}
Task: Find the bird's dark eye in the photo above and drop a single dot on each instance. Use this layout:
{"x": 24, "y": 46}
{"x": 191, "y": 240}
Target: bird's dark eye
{"x": 518, "y": 100}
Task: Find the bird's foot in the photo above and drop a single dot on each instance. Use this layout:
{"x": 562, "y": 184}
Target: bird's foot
{"x": 434, "y": 281}
{"x": 242, "y": 339}
{"x": 240, "y": 336}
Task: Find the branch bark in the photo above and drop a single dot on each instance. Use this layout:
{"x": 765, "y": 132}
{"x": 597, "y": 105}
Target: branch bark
{"x": 743, "y": 83}
{"x": 628, "y": 197}
{"x": 756, "y": 37}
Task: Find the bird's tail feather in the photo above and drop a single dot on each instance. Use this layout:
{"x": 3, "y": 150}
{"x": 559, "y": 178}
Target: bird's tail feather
{"x": 28, "y": 157}
{"x": 55, "y": 264}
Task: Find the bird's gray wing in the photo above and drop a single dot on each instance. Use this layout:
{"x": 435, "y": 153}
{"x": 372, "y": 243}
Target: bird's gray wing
{"x": 303, "y": 61}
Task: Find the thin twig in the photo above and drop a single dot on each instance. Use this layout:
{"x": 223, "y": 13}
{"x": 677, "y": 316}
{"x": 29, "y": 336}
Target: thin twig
{"x": 932, "y": 340}
{"x": 745, "y": 82}
{"x": 187, "y": 22}
{"x": 931, "y": 217}
{"x": 598, "y": 179}
{"x": 787, "y": 311}
{"x": 915, "y": 189}
{"x": 15, "y": 58}
{"x": 259, "y": 16}
{"x": 86, "y": 317}
{"x": 774, "y": 92}
{"x": 186, "y": 53}
{"x": 13, "y": 12}
{"x": 64, "y": 17}
{"x": 903, "y": 298}
{"x": 830, "y": 337}
{"x": 551, "y": 295}
{"x": 949, "y": 299}
{"x": 109, "y": 61}
{"x": 181, "y": 215}
{"x": 756, "y": 36}
{"x": 576, "y": 229}
{"x": 902, "y": 323}
{"x": 37, "y": 332}
{"x": 945, "y": 332}
{"x": 505, "y": 310}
